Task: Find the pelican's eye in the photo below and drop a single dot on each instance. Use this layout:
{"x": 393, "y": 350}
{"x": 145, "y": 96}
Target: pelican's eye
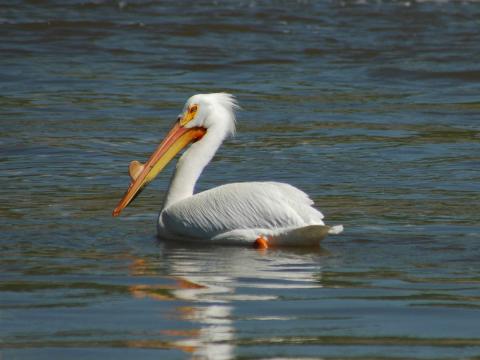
{"x": 192, "y": 110}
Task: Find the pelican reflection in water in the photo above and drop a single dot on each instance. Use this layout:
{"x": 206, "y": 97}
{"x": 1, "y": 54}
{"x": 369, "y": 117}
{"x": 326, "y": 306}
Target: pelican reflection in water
{"x": 207, "y": 291}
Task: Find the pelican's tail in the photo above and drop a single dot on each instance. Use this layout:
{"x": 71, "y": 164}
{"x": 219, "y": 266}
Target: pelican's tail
{"x": 334, "y": 230}
{"x": 310, "y": 235}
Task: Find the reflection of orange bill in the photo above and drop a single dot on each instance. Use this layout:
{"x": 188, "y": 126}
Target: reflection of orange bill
{"x": 176, "y": 140}
{"x": 159, "y": 344}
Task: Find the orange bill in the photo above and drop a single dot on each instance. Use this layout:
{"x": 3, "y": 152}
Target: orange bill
{"x": 178, "y": 137}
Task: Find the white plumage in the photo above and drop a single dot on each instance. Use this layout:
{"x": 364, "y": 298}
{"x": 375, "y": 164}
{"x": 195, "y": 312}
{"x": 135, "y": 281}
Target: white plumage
{"x": 270, "y": 206}
{"x": 236, "y": 213}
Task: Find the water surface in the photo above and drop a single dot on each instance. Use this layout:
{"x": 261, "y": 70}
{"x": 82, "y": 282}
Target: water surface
{"x": 370, "y": 107}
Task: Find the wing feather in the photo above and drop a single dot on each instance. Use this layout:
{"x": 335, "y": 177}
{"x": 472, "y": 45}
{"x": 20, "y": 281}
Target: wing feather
{"x": 269, "y": 205}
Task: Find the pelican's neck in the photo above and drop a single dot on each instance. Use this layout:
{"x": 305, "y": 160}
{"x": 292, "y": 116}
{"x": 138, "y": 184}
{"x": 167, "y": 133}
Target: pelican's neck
{"x": 191, "y": 164}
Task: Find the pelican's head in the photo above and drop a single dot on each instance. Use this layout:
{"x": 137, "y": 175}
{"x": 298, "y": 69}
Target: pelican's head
{"x": 209, "y": 110}
{"x": 200, "y": 113}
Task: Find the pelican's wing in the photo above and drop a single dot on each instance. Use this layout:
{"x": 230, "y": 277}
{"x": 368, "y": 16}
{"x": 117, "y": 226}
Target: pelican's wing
{"x": 267, "y": 205}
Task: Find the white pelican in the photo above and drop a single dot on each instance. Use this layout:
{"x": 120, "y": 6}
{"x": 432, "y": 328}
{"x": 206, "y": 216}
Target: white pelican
{"x": 264, "y": 214}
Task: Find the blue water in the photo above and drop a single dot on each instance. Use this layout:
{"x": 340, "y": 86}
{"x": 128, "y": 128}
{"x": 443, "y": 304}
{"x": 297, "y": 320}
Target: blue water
{"x": 371, "y": 107}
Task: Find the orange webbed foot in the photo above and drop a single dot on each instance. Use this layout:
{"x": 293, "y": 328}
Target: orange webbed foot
{"x": 261, "y": 243}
